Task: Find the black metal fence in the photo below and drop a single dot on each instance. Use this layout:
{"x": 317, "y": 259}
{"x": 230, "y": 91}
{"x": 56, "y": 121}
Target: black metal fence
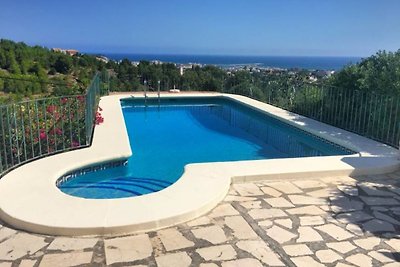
{"x": 40, "y": 127}
{"x": 369, "y": 114}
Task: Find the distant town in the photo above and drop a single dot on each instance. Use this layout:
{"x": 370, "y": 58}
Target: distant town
{"x": 311, "y": 75}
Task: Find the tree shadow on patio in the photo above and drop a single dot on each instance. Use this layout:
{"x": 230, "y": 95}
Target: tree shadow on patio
{"x": 370, "y": 206}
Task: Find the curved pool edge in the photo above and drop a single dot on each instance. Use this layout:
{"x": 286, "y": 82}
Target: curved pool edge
{"x": 41, "y": 207}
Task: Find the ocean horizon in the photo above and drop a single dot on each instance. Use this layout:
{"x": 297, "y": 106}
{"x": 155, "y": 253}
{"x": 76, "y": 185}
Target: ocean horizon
{"x": 284, "y": 62}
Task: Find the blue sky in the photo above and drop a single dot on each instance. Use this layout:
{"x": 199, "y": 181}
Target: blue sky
{"x": 238, "y": 27}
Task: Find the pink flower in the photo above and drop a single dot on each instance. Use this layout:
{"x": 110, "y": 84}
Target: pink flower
{"x": 64, "y": 100}
{"x": 51, "y": 108}
{"x": 99, "y": 119}
{"x": 57, "y": 131}
{"x": 75, "y": 143}
{"x": 81, "y": 98}
{"x": 42, "y": 134}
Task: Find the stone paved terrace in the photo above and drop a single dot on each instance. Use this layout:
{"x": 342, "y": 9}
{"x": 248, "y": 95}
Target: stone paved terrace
{"x": 338, "y": 221}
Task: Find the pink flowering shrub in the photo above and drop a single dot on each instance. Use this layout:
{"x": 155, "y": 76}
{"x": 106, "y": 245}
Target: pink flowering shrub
{"x": 99, "y": 118}
{"x": 41, "y": 127}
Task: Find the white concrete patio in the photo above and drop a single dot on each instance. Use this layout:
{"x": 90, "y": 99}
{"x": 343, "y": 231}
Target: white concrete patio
{"x": 333, "y": 221}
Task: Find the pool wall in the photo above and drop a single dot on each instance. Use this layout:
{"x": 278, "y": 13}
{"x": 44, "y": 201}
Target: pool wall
{"x": 30, "y": 200}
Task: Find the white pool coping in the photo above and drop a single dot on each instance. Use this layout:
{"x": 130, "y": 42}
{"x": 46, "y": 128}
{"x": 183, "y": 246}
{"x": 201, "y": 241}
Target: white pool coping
{"x": 30, "y": 200}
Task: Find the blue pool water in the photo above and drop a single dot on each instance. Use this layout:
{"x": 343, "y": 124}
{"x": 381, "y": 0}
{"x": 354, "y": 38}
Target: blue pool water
{"x": 165, "y": 137}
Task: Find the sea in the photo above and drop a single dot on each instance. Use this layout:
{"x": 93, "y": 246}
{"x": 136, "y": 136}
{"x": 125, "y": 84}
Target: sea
{"x": 283, "y": 62}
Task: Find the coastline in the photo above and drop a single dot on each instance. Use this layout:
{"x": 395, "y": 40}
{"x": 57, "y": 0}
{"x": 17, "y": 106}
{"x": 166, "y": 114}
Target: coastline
{"x": 231, "y": 61}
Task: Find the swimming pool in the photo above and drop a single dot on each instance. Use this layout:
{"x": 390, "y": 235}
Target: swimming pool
{"x": 167, "y": 134}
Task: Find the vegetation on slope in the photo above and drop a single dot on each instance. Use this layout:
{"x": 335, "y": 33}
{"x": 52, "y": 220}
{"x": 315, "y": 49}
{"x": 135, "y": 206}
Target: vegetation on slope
{"x": 56, "y": 73}
{"x": 378, "y": 73}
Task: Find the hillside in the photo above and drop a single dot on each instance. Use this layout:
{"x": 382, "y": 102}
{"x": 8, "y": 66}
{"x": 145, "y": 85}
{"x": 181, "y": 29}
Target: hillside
{"x": 26, "y": 71}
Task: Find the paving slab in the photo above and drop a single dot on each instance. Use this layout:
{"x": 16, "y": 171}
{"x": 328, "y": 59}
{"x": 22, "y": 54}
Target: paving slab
{"x": 265, "y": 224}
{"x": 241, "y": 229}
{"x": 278, "y": 202}
{"x": 6, "y": 232}
{"x": 353, "y": 217}
{"x": 199, "y": 221}
{"x": 384, "y": 217}
{"x": 355, "y": 229}
{"x": 394, "y": 243}
{"x": 66, "y": 259}
{"x": 335, "y": 231}
{"x": 308, "y": 210}
{"x": 172, "y": 239}
{"x": 213, "y": 234}
{"x": 383, "y": 256}
{"x": 285, "y": 187}
{"x": 257, "y": 214}
{"x": 27, "y": 263}
{"x": 376, "y": 225}
{"x": 271, "y": 191}
{"x": 223, "y": 210}
{"x": 327, "y": 256}
{"x": 248, "y": 190}
{"x": 307, "y": 184}
{"x": 242, "y": 262}
{"x": 306, "y": 261}
{"x": 311, "y": 220}
{"x": 380, "y": 201}
{"x": 230, "y": 198}
{"x": 217, "y": 253}
{"x": 260, "y": 250}
{"x": 345, "y": 204}
{"x": 251, "y": 204}
{"x": 348, "y": 190}
{"x": 308, "y": 234}
{"x": 67, "y": 244}
{"x": 367, "y": 243}
{"x": 20, "y": 245}
{"x": 324, "y": 192}
{"x": 297, "y": 250}
{"x": 360, "y": 260}
{"x": 179, "y": 259}
{"x": 342, "y": 247}
{"x": 306, "y": 200}
{"x": 279, "y": 234}
{"x": 126, "y": 249}
{"x": 375, "y": 191}
{"x": 287, "y": 223}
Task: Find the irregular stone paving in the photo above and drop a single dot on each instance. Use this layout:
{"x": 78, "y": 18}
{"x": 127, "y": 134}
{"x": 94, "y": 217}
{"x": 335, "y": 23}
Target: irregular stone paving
{"x": 339, "y": 221}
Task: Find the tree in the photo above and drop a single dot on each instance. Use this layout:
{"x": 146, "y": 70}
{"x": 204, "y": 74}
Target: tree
{"x": 63, "y": 64}
{"x": 379, "y": 73}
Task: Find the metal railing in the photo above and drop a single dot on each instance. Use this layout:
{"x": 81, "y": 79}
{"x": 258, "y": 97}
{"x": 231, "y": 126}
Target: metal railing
{"x": 37, "y": 128}
{"x": 373, "y": 115}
